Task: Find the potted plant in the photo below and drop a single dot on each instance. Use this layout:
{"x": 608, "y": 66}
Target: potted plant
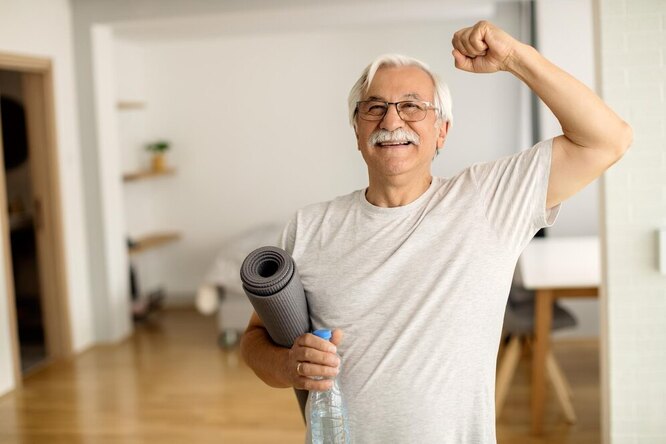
{"x": 158, "y": 150}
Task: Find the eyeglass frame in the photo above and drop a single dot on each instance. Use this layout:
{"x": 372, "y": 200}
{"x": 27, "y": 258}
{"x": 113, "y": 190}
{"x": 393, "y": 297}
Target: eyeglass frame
{"x": 429, "y": 105}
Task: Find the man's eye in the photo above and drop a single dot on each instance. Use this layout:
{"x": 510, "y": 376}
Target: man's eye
{"x": 410, "y": 107}
{"x": 377, "y": 109}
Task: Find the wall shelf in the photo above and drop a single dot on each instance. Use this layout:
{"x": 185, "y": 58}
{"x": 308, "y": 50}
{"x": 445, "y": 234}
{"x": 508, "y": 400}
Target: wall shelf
{"x": 130, "y": 104}
{"x": 153, "y": 240}
{"x": 146, "y": 174}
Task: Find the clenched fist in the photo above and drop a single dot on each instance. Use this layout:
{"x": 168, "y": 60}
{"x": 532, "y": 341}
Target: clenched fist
{"x": 483, "y": 48}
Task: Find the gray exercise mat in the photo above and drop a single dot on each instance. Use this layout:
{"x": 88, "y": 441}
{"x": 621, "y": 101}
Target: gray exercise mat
{"x": 271, "y": 282}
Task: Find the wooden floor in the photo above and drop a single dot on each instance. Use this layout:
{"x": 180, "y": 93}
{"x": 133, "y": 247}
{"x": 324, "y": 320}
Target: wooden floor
{"x": 170, "y": 383}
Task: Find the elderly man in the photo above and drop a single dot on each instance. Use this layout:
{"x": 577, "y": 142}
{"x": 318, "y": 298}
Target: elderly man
{"x": 416, "y": 269}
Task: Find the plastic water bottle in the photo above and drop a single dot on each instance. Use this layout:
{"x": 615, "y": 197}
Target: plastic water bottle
{"x": 327, "y": 413}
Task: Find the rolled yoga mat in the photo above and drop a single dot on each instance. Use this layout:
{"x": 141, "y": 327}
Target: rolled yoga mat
{"x": 271, "y": 282}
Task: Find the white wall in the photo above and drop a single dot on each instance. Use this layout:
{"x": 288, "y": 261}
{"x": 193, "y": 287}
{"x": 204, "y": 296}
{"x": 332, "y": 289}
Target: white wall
{"x": 259, "y": 125}
{"x": 113, "y": 311}
{"x": 43, "y": 28}
{"x": 633, "y": 48}
{"x": 143, "y": 200}
{"x": 565, "y": 37}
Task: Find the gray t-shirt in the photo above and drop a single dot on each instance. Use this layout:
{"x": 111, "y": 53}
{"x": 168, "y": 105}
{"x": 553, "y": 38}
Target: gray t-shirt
{"x": 420, "y": 292}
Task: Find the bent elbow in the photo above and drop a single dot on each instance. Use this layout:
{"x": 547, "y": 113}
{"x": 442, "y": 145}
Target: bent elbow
{"x": 625, "y": 139}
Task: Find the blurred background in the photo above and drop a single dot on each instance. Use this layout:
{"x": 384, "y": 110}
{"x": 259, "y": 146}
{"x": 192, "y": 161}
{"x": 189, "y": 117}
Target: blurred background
{"x": 150, "y": 145}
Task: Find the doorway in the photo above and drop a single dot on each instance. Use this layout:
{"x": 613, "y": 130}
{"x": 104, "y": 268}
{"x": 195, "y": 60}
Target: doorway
{"x": 21, "y": 215}
{"x": 30, "y": 215}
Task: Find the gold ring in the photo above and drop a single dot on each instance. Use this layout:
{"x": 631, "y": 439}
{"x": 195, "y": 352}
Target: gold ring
{"x": 298, "y": 368}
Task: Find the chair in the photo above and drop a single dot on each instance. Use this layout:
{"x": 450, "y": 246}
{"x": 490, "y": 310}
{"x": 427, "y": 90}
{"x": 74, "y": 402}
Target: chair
{"x": 519, "y": 329}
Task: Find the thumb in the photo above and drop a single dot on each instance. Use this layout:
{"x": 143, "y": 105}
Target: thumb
{"x": 336, "y": 337}
{"x": 461, "y": 61}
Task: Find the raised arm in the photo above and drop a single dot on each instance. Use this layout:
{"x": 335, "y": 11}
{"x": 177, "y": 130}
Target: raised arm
{"x": 593, "y": 138}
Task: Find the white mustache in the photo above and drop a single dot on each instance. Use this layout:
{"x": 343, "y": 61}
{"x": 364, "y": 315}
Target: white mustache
{"x": 399, "y": 135}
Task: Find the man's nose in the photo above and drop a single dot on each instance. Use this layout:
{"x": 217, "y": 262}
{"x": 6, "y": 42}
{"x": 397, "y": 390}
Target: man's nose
{"x": 392, "y": 120}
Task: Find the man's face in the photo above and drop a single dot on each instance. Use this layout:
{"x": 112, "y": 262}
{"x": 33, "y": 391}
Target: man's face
{"x": 394, "y": 84}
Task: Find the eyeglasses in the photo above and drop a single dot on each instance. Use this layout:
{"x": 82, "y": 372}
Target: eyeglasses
{"x": 408, "y": 110}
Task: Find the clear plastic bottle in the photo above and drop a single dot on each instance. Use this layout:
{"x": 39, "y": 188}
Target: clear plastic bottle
{"x": 326, "y": 413}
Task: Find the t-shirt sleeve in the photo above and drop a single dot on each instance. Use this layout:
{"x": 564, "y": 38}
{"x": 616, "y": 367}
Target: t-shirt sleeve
{"x": 513, "y": 193}
{"x": 288, "y": 236}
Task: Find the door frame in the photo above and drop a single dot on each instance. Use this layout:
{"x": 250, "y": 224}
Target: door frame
{"x": 37, "y": 86}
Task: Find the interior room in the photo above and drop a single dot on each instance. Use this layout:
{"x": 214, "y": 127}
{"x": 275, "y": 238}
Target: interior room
{"x": 149, "y": 146}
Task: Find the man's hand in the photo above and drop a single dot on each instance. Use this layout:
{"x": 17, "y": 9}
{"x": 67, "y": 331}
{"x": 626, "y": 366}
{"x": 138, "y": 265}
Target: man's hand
{"x": 312, "y": 357}
{"x": 283, "y": 367}
{"x": 483, "y": 48}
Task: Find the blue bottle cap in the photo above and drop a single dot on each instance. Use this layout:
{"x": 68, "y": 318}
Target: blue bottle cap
{"x": 324, "y": 334}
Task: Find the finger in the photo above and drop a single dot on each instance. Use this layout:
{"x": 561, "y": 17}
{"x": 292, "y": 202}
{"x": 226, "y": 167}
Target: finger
{"x": 313, "y": 370}
{"x": 305, "y": 383}
{"x": 476, "y": 38}
{"x": 311, "y": 341}
{"x": 306, "y": 354}
{"x": 337, "y": 337}
{"x": 456, "y": 41}
{"x": 462, "y": 62}
{"x": 464, "y": 41}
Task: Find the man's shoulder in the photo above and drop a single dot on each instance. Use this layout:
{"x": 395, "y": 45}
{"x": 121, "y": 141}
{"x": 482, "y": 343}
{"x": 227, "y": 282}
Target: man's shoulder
{"x": 340, "y": 203}
{"x": 309, "y": 220}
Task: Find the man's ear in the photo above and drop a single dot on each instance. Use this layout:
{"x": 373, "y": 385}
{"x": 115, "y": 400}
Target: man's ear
{"x": 441, "y": 137}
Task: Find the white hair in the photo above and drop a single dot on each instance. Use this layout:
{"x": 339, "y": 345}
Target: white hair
{"x": 442, "y": 97}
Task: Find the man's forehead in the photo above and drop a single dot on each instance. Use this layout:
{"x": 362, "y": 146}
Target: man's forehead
{"x": 404, "y": 82}
{"x": 411, "y": 95}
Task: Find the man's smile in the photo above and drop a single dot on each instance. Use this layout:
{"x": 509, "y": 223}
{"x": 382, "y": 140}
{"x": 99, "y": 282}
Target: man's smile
{"x": 399, "y": 138}
{"x": 394, "y": 144}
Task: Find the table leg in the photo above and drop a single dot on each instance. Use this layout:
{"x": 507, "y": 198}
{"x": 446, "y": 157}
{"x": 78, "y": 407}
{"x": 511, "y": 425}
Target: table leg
{"x": 543, "y": 318}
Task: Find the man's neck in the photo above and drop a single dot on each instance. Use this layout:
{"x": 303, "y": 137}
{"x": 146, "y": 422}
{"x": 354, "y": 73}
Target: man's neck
{"x": 396, "y": 191}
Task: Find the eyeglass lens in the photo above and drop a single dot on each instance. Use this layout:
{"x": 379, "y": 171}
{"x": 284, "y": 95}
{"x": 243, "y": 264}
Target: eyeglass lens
{"x": 408, "y": 111}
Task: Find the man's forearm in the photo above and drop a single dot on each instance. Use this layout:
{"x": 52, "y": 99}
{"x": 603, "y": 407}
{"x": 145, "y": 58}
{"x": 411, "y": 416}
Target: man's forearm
{"x": 266, "y": 359}
{"x": 584, "y": 117}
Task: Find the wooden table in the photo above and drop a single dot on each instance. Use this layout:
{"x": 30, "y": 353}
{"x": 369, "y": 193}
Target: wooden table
{"x": 555, "y": 267}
